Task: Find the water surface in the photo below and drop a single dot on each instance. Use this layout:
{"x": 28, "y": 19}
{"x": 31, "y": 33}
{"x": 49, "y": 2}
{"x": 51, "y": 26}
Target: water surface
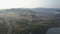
{"x": 54, "y": 30}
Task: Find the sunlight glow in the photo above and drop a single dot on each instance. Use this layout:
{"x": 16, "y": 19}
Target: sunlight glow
{"x": 4, "y": 4}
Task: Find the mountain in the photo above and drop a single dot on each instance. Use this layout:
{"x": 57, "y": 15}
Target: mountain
{"x": 44, "y": 10}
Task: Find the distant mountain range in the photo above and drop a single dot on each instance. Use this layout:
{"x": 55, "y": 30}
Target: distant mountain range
{"x": 46, "y": 9}
{"x": 34, "y": 9}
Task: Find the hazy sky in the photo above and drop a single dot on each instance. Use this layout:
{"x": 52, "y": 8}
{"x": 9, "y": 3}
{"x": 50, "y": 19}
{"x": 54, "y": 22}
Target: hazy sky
{"x": 5, "y": 4}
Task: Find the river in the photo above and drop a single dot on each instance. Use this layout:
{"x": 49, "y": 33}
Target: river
{"x": 54, "y": 30}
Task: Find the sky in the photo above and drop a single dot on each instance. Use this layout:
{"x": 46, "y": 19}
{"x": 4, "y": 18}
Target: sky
{"x": 7, "y": 4}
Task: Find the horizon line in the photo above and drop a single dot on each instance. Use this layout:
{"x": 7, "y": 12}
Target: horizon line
{"x": 31, "y": 8}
